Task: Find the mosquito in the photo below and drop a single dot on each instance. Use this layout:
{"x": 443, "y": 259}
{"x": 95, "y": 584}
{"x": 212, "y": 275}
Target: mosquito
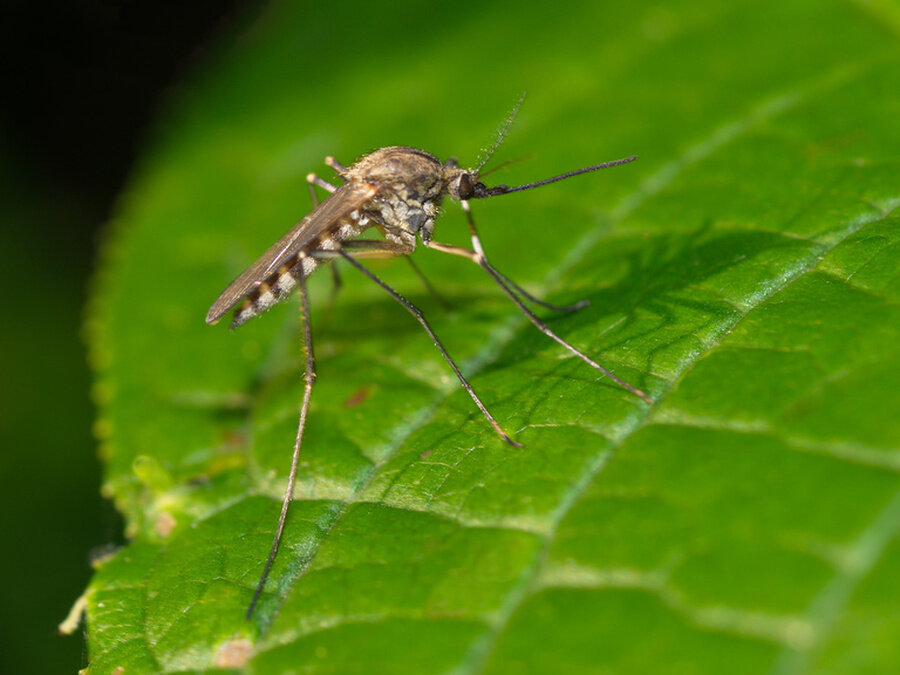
{"x": 397, "y": 190}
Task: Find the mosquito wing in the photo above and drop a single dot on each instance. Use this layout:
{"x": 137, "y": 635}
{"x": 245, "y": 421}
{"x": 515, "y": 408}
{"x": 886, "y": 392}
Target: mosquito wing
{"x": 340, "y": 204}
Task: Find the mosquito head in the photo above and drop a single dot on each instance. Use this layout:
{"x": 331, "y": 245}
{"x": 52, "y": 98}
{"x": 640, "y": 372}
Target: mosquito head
{"x": 462, "y": 184}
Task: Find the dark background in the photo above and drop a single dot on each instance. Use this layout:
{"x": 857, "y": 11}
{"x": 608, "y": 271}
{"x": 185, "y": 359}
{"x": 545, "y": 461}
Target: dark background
{"x": 83, "y": 83}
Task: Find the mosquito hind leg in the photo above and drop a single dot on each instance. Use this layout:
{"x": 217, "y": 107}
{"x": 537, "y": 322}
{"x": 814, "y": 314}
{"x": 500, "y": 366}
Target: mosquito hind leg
{"x": 309, "y": 378}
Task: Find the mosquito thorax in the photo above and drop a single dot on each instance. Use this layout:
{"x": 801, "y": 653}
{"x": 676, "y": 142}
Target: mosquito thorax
{"x": 411, "y": 186}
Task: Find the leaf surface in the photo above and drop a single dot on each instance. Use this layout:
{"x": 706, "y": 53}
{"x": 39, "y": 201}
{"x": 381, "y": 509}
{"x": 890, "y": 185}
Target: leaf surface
{"x": 743, "y": 272}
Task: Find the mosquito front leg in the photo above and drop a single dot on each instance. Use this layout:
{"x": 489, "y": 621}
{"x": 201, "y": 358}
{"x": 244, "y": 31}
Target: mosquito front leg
{"x": 478, "y": 256}
{"x": 581, "y": 304}
{"x": 474, "y": 257}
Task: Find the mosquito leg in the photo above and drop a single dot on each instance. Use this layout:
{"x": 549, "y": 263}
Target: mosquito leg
{"x": 312, "y": 180}
{"x": 431, "y": 289}
{"x": 374, "y": 248}
{"x": 363, "y": 248}
{"x": 339, "y": 168}
{"x": 412, "y": 309}
{"x": 328, "y": 310}
{"x": 337, "y": 284}
{"x": 309, "y": 378}
{"x": 478, "y": 257}
{"x": 581, "y": 304}
{"x": 541, "y": 326}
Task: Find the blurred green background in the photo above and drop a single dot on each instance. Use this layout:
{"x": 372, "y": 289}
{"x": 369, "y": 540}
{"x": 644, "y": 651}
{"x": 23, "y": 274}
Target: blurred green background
{"x": 668, "y": 80}
{"x": 83, "y": 82}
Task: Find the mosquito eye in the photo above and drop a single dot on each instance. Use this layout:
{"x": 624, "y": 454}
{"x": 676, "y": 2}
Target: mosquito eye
{"x": 465, "y": 186}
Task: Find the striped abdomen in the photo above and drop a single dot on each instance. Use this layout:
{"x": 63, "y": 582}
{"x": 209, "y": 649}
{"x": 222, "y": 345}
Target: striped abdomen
{"x": 283, "y": 280}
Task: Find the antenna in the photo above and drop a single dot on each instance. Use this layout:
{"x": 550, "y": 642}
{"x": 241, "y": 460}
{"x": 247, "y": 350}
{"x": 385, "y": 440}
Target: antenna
{"x": 502, "y": 134}
{"x": 483, "y": 192}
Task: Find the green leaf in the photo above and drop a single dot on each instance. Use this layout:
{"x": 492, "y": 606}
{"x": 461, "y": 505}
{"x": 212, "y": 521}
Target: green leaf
{"x": 744, "y": 272}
